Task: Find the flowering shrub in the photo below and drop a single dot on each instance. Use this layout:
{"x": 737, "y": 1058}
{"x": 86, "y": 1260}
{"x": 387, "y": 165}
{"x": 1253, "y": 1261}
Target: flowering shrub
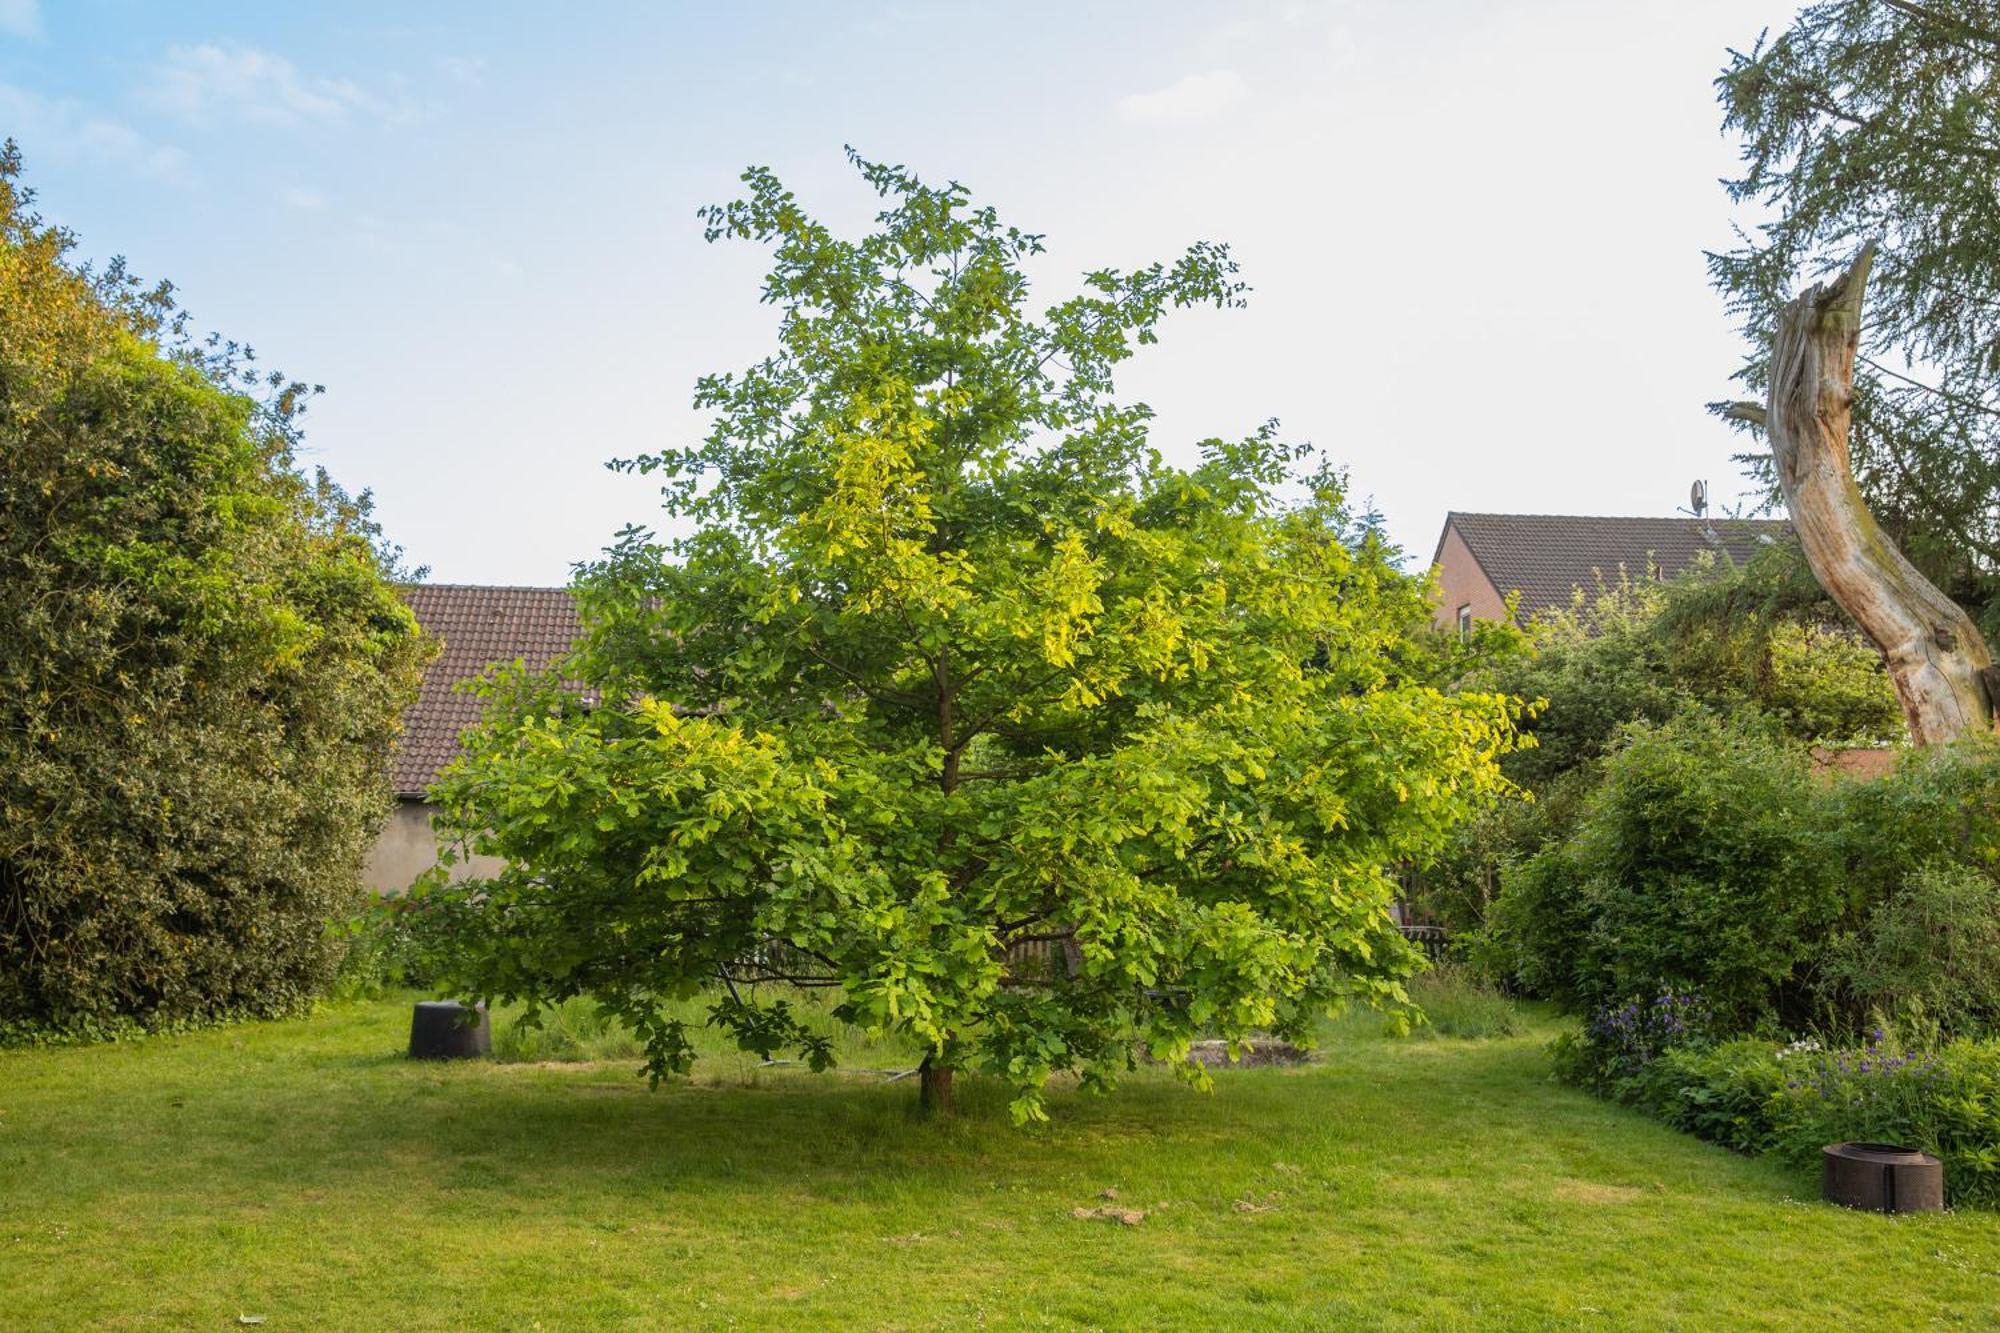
{"x": 1946, "y": 1102}
{"x": 1620, "y": 1044}
{"x": 1755, "y": 1097}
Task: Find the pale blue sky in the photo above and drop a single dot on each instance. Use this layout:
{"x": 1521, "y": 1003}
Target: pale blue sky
{"x": 1474, "y": 229}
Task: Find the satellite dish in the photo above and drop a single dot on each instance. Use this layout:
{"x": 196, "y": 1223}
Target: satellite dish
{"x": 1698, "y": 498}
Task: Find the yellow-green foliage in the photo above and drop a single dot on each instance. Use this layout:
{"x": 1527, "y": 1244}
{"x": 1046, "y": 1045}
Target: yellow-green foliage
{"x": 201, "y": 666}
{"x": 954, "y": 662}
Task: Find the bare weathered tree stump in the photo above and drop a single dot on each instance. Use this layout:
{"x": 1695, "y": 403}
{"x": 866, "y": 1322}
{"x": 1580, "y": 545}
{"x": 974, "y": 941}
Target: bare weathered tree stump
{"x": 1941, "y": 666}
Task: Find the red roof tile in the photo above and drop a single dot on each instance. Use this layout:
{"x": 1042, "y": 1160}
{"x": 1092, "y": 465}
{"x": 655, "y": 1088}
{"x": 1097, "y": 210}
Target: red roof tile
{"x": 478, "y": 627}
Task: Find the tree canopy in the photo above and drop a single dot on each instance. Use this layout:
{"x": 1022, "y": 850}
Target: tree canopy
{"x": 962, "y": 703}
{"x": 1874, "y": 121}
{"x": 202, "y": 662}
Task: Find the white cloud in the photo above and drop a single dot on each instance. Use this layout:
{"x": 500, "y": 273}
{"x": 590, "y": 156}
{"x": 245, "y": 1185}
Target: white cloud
{"x": 70, "y": 131}
{"x": 468, "y": 70}
{"x": 1189, "y": 101}
{"x": 20, "y": 18}
{"x": 210, "y": 83}
{"x": 304, "y": 199}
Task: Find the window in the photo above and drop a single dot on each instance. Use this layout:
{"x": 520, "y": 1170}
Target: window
{"x": 1465, "y": 621}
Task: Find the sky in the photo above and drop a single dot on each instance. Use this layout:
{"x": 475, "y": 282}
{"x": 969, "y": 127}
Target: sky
{"x": 1474, "y": 229}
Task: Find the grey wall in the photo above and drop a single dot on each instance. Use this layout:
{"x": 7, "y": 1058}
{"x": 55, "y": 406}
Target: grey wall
{"x": 407, "y": 848}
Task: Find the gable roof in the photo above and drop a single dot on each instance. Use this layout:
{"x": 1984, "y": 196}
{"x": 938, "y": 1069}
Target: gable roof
{"x": 478, "y": 626}
{"x": 1547, "y": 557}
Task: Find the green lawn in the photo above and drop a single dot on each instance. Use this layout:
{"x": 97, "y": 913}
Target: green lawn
{"x": 306, "y": 1173}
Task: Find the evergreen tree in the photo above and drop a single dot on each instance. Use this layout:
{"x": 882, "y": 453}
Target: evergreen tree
{"x": 1877, "y": 121}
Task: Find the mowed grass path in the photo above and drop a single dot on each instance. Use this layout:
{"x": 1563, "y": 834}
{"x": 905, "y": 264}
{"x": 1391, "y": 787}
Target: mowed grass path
{"x": 307, "y": 1173}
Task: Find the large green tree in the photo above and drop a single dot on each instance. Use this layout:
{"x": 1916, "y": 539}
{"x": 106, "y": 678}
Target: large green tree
{"x": 202, "y": 663}
{"x": 1878, "y": 121}
{"x": 962, "y": 703}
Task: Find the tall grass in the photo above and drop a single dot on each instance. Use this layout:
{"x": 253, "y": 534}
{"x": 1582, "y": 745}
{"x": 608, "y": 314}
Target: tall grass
{"x": 1456, "y": 1002}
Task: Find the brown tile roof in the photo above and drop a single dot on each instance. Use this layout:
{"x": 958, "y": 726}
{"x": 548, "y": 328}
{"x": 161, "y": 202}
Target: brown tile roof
{"x": 1547, "y": 557}
{"x": 477, "y": 626}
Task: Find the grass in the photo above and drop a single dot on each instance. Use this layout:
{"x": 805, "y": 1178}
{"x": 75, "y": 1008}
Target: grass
{"x": 307, "y": 1173}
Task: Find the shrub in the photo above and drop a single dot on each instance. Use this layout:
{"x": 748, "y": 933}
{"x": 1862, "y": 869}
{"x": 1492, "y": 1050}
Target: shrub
{"x": 1939, "y": 804}
{"x": 1946, "y": 1102}
{"x": 202, "y": 664}
{"x": 1930, "y": 951}
{"x": 1698, "y": 863}
{"x": 1721, "y": 1093}
{"x": 1619, "y": 1044}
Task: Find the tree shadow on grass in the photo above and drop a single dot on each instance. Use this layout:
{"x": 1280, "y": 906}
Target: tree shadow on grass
{"x": 334, "y": 1106}
{"x": 372, "y": 1121}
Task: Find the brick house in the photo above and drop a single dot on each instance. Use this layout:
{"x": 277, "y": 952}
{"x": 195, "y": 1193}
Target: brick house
{"x": 1547, "y": 558}
{"x": 477, "y": 627}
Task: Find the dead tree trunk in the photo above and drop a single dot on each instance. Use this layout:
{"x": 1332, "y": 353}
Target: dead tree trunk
{"x": 1941, "y": 667}
{"x": 934, "y": 1088}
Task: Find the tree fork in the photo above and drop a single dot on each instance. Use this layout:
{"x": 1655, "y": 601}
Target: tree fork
{"x": 1941, "y": 667}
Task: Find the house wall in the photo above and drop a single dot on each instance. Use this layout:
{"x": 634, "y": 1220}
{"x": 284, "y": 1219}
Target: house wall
{"x": 407, "y": 848}
{"x": 1460, "y": 580}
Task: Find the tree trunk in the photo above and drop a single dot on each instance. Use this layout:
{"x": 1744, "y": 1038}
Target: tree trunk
{"x": 934, "y": 1088}
{"x": 1941, "y": 667}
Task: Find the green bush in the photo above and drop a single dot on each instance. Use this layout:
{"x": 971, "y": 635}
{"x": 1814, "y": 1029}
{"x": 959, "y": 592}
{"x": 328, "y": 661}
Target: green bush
{"x": 1698, "y": 863}
{"x": 1938, "y": 804}
{"x": 1930, "y": 951}
{"x": 1707, "y": 858}
{"x": 1722, "y": 1093}
{"x": 202, "y": 665}
{"x": 1946, "y": 1102}
{"x": 379, "y": 952}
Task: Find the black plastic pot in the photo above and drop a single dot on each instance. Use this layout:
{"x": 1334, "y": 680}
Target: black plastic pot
{"x": 448, "y": 1030}
{"x": 1882, "y": 1178}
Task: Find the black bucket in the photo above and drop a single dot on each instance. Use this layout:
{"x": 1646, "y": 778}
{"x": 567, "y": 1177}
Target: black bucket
{"x": 448, "y": 1030}
{"x": 1882, "y": 1178}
